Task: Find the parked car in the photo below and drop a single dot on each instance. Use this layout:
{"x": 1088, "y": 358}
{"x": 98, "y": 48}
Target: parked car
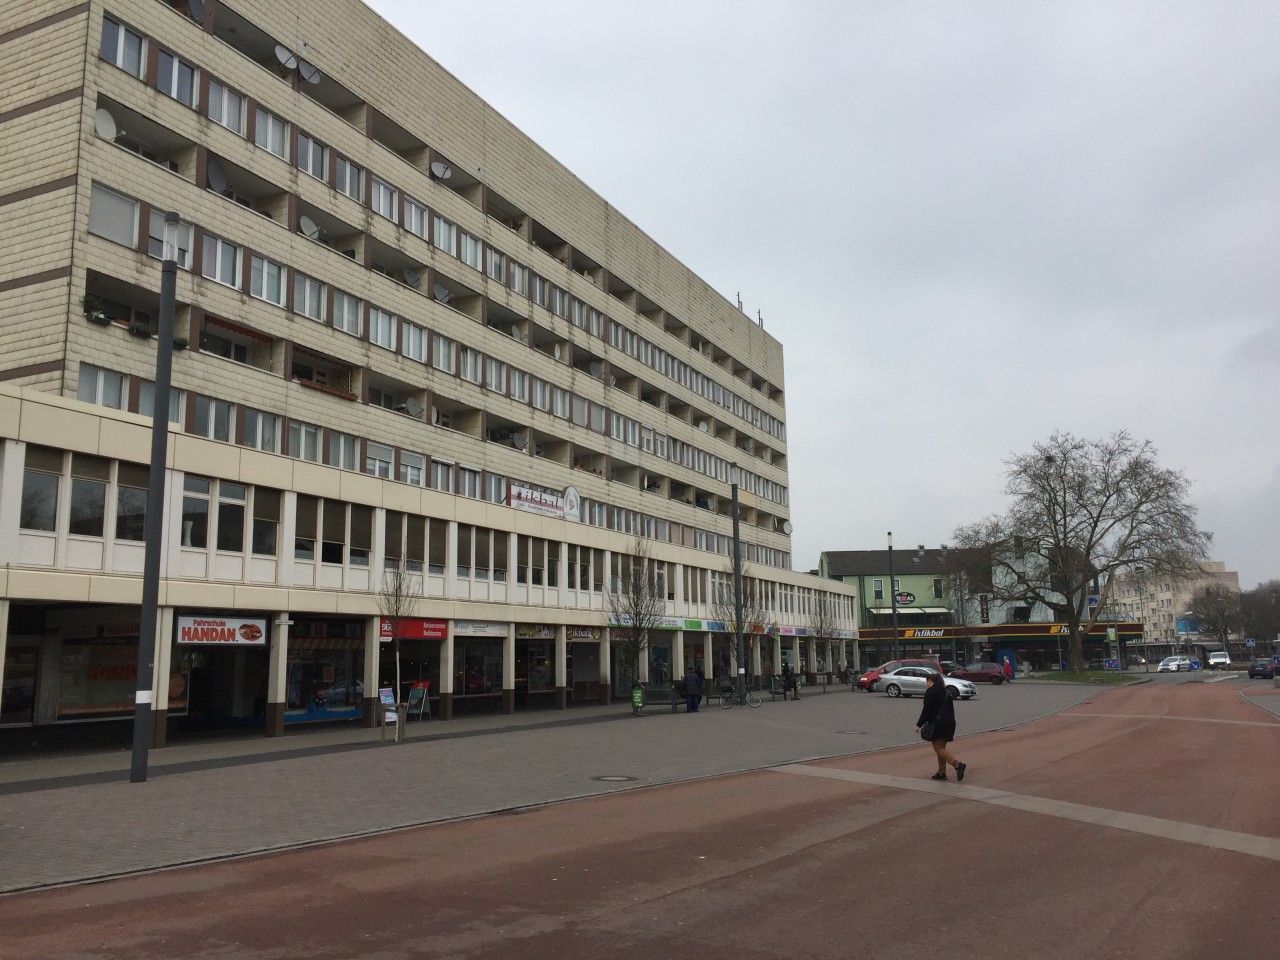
{"x": 1262, "y": 667}
{"x": 1219, "y": 660}
{"x": 981, "y": 672}
{"x": 949, "y": 666}
{"x": 1174, "y": 664}
{"x": 1137, "y": 660}
{"x": 869, "y": 680}
{"x": 909, "y": 681}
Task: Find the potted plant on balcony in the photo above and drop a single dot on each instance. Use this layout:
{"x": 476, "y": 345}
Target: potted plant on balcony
{"x": 95, "y": 309}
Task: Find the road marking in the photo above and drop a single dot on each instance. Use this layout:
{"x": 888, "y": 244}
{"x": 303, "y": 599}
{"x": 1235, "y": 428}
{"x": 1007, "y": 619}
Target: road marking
{"x": 1165, "y": 716}
{"x": 1255, "y": 846}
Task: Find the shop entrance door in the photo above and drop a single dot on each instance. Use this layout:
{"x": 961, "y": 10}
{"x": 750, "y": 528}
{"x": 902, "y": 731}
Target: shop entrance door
{"x": 18, "y": 702}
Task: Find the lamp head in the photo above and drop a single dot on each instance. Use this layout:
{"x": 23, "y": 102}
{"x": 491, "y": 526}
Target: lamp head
{"x": 170, "y": 251}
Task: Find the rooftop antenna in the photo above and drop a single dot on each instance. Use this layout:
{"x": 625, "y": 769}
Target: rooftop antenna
{"x": 739, "y": 295}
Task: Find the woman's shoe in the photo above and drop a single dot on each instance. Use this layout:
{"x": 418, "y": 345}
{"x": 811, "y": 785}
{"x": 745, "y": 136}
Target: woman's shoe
{"x": 960, "y": 770}
{"x": 938, "y": 776}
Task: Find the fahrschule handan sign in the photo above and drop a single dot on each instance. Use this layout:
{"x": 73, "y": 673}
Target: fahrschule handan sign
{"x": 222, "y": 630}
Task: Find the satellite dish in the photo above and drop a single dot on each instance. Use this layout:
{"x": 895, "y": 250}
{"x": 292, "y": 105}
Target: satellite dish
{"x": 413, "y": 407}
{"x": 196, "y": 9}
{"x": 104, "y": 124}
{"x": 786, "y": 527}
{"x": 217, "y": 176}
{"x": 286, "y": 56}
{"x": 411, "y": 277}
{"x": 518, "y": 441}
{"x": 613, "y": 381}
{"x": 702, "y": 425}
{"x": 596, "y": 369}
{"x": 308, "y": 71}
{"x": 441, "y": 170}
{"x": 555, "y": 351}
{"x": 515, "y": 331}
{"x": 441, "y": 293}
{"x": 308, "y": 227}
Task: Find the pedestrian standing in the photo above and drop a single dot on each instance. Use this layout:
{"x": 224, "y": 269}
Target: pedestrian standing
{"x": 939, "y": 713}
{"x": 692, "y": 690}
{"x": 702, "y": 684}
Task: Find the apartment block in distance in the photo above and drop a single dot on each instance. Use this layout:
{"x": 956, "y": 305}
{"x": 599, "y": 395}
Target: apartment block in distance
{"x": 406, "y": 339}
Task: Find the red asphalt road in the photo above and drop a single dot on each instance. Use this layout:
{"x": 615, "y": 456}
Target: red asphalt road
{"x": 775, "y": 864}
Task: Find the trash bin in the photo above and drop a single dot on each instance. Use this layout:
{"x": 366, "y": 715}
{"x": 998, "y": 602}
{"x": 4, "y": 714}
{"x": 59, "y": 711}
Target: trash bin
{"x": 637, "y": 700}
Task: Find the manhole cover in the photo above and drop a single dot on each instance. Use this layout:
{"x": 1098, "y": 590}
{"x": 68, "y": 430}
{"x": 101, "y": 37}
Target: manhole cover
{"x": 614, "y": 778}
{"x": 854, "y": 733}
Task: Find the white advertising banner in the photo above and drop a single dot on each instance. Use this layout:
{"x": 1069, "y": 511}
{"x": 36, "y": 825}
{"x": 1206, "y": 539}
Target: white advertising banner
{"x": 230, "y": 630}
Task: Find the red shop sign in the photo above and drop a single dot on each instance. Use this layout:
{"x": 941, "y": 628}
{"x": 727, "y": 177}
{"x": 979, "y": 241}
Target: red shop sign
{"x": 414, "y": 628}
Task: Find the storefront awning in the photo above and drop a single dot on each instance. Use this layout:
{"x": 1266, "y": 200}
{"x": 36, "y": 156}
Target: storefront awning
{"x": 909, "y": 610}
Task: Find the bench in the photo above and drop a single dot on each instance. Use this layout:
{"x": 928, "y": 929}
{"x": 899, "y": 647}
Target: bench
{"x": 664, "y": 695}
{"x": 776, "y": 689}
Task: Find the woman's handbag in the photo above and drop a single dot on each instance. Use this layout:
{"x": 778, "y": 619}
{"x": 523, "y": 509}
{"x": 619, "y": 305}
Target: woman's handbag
{"x": 928, "y": 729}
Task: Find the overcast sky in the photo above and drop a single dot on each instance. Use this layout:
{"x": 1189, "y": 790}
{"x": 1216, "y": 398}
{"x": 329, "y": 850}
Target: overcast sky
{"x": 969, "y": 224}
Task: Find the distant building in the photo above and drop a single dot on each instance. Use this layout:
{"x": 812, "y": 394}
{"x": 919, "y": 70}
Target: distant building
{"x": 1162, "y": 604}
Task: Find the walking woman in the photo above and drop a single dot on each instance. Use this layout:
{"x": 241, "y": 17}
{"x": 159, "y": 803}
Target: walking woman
{"x": 939, "y": 712}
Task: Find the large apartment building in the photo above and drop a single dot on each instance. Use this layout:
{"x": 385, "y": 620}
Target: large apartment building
{"x": 406, "y": 338}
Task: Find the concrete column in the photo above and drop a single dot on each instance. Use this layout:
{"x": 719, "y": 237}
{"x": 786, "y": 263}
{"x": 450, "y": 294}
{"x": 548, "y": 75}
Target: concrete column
{"x": 12, "y": 461}
{"x": 446, "y": 676}
{"x": 288, "y": 532}
{"x": 509, "y": 670}
{"x": 757, "y": 658}
{"x": 4, "y": 641}
{"x": 277, "y": 673}
{"x": 160, "y": 678}
{"x": 562, "y": 667}
{"x": 513, "y": 565}
{"x": 451, "y": 561}
{"x": 372, "y": 654}
{"x": 777, "y": 653}
{"x": 677, "y": 655}
{"x": 606, "y": 665}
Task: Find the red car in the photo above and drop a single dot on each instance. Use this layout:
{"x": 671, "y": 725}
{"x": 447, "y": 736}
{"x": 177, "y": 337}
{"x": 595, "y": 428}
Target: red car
{"x": 869, "y": 679}
{"x": 980, "y": 673}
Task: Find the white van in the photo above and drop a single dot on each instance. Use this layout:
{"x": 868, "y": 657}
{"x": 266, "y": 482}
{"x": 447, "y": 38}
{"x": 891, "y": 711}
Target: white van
{"x": 1219, "y": 660}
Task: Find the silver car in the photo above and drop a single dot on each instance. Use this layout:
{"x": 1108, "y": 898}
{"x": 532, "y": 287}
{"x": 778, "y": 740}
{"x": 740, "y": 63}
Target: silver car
{"x": 909, "y": 681}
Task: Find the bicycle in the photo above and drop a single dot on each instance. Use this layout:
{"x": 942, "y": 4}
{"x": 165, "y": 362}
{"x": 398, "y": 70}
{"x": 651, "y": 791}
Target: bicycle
{"x": 730, "y": 697}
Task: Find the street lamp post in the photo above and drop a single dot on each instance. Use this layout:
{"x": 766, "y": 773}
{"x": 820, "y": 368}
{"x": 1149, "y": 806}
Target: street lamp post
{"x": 893, "y": 598}
{"x": 154, "y": 531}
{"x": 737, "y": 585}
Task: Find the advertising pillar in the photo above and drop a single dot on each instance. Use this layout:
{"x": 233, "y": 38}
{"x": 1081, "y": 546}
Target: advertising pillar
{"x": 277, "y": 674}
{"x": 562, "y": 667}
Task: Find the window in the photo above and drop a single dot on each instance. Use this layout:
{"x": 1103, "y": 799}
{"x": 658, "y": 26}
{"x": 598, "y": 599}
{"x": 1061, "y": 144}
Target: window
{"x": 304, "y": 441}
{"x": 937, "y": 588}
{"x": 877, "y": 589}
{"x": 155, "y": 239}
{"x": 413, "y": 341}
{"x": 88, "y": 495}
{"x": 347, "y": 314}
{"x": 106, "y": 388}
{"x": 215, "y": 419}
{"x": 413, "y": 468}
{"x": 271, "y": 133}
{"x": 382, "y": 328}
{"x": 472, "y": 251}
{"x": 539, "y": 290}
{"x": 132, "y": 482}
{"x": 415, "y": 218}
{"x": 226, "y": 107}
{"x": 40, "y": 481}
{"x": 442, "y": 353}
{"x": 470, "y": 367}
{"x": 541, "y": 394}
{"x": 313, "y": 157}
{"x": 267, "y": 280}
{"x": 308, "y": 297}
{"x": 113, "y": 216}
{"x": 377, "y": 459}
{"x": 518, "y": 277}
{"x": 497, "y": 266}
{"x": 342, "y": 450}
{"x": 361, "y": 535}
{"x": 384, "y": 200}
{"x": 442, "y": 476}
{"x": 495, "y": 375}
{"x": 147, "y": 398}
{"x": 122, "y": 47}
{"x": 446, "y": 236}
{"x": 469, "y": 482}
{"x": 495, "y": 488}
{"x": 266, "y": 521}
{"x": 262, "y": 431}
{"x": 559, "y": 302}
{"x": 231, "y": 500}
{"x": 578, "y": 410}
{"x": 333, "y": 545}
{"x": 349, "y": 179}
{"x": 597, "y": 418}
{"x": 221, "y": 261}
{"x": 177, "y": 79}
{"x": 560, "y": 402}
{"x": 519, "y": 385}
{"x": 195, "y": 512}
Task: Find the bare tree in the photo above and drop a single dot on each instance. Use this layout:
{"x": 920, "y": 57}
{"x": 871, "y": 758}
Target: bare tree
{"x": 823, "y": 622}
{"x": 398, "y": 601}
{"x": 635, "y": 604}
{"x": 1260, "y": 615}
{"x": 1081, "y": 512}
{"x": 754, "y": 612}
{"x": 1217, "y": 611}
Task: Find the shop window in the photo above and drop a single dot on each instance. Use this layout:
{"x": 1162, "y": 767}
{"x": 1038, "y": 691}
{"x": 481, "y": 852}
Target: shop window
{"x": 333, "y": 546}
{"x": 305, "y": 516}
{"x": 88, "y": 495}
{"x": 361, "y": 534}
{"x": 231, "y": 499}
{"x": 40, "y": 481}
{"x": 464, "y": 551}
{"x": 437, "y": 545}
{"x": 132, "y": 482}
{"x": 195, "y": 512}
{"x": 266, "y": 521}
